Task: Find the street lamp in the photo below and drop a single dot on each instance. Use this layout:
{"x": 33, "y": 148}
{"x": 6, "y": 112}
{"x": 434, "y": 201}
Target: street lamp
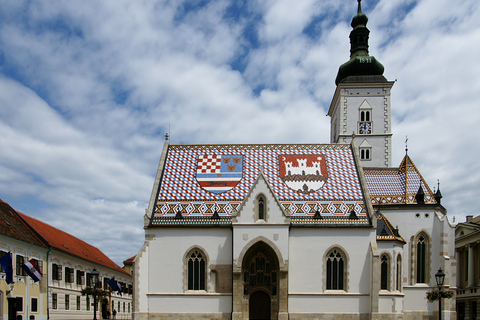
{"x": 94, "y": 278}
{"x": 440, "y": 278}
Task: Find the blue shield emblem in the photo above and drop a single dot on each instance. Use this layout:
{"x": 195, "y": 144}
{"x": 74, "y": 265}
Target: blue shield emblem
{"x": 219, "y": 173}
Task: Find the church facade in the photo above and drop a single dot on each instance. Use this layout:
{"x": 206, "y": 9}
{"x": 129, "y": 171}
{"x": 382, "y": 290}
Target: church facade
{"x": 298, "y": 231}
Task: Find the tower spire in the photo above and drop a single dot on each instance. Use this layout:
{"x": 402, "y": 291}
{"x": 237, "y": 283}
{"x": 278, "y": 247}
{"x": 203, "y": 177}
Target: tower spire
{"x": 362, "y": 66}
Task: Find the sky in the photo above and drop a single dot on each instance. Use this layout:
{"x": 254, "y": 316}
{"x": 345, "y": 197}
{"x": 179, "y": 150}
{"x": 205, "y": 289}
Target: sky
{"x": 88, "y": 90}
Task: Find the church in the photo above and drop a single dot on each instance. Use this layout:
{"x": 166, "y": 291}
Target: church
{"x": 298, "y": 231}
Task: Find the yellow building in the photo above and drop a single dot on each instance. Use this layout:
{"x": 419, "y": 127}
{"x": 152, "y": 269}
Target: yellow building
{"x": 23, "y": 298}
{"x": 66, "y": 263}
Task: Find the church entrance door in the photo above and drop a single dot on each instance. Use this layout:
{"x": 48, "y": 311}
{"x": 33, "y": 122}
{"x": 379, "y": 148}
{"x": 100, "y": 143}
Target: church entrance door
{"x": 260, "y": 306}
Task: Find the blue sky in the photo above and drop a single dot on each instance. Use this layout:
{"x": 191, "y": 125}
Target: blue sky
{"x": 88, "y": 90}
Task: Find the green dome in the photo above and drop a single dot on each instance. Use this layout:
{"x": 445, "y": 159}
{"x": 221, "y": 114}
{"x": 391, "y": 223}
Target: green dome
{"x": 361, "y": 66}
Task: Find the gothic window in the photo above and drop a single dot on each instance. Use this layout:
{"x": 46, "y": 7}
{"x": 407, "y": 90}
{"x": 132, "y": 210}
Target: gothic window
{"x": 384, "y": 272}
{"x": 261, "y": 208}
{"x": 421, "y": 258}
{"x": 399, "y": 274}
{"x": 335, "y": 262}
{"x": 196, "y": 269}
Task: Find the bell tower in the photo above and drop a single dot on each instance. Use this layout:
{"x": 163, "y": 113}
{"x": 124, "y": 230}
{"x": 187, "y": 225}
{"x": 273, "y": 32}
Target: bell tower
{"x": 361, "y": 104}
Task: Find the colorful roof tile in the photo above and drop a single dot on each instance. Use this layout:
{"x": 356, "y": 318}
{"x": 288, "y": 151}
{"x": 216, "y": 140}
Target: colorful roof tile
{"x": 199, "y": 180}
{"x": 393, "y": 186}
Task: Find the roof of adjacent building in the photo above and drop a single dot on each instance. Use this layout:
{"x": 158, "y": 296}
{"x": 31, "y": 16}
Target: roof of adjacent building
{"x": 12, "y": 225}
{"x": 393, "y": 186}
{"x": 17, "y": 225}
{"x": 212, "y": 181}
{"x": 65, "y": 242}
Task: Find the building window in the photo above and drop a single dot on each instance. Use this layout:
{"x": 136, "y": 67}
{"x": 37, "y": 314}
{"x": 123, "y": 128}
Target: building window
{"x": 87, "y": 303}
{"x": 20, "y": 261}
{"x": 34, "y": 304}
{"x": 80, "y": 277}
{"x": 399, "y": 274}
{"x": 2, "y": 253}
{"x": 78, "y": 303}
{"x": 69, "y": 275}
{"x": 67, "y": 302}
{"x": 54, "y": 301}
{"x": 365, "y": 115}
{"x": 335, "y": 262}
{"x": 19, "y": 304}
{"x": 261, "y": 208}
{"x": 421, "y": 258}
{"x": 196, "y": 266}
{"x": 56, "y": 272}
{"x": 365, "y": 153}
{"x": 384, "y": 272}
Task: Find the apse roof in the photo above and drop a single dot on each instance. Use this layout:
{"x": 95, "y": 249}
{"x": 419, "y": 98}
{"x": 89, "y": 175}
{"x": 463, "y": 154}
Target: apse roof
{"x": 199, "y": 180}
{"x": 392, "y": 186}
{"x": 386, "y": 232}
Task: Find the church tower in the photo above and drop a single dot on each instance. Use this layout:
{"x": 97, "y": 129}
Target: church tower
{"x": 360, "y": 107}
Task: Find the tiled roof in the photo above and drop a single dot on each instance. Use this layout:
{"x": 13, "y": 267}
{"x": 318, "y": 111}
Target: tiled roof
{"x": 65, "y": 242}
{"x": 386, "y": 232}
{"x": 196, "y": 181}
{"x": 396, "y": 185}
{"x": 12, "y": 225}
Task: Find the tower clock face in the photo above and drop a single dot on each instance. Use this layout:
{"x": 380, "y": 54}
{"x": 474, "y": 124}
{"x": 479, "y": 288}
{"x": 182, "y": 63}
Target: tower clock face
{"x": 365, "y": 127}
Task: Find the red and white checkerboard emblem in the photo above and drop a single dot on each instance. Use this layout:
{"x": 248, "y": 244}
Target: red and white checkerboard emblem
{"x": 209, "y": 163}
{"x": 219, "y": 173}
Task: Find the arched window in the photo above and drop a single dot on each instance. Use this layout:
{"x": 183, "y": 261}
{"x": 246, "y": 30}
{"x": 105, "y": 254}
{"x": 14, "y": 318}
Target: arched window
{"x": 421, "y": 259}
{"x": 196, "y": 265}
{"x": 365, "y": 154}
{"x": 399, "y": 274}
{"x": 261, "y": 208}
{"x": 335, "y": 262}
{"x": 384, "y": 272}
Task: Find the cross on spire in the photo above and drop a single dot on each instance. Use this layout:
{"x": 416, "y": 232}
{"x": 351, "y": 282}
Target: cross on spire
{"x": 406, "y": 140}
{"x": 359, "y": 6}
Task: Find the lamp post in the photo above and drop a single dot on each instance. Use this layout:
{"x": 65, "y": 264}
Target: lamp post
{"x": 94, "y": 274}
{"x": 440, "y": 278}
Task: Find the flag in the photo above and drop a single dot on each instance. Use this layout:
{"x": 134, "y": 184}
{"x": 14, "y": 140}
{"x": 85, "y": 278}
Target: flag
{"x": 119, "y": 288}
{"x": 32, "y": 270}
{"x": 6, "y": 262}
{"x": 114, "y": 285}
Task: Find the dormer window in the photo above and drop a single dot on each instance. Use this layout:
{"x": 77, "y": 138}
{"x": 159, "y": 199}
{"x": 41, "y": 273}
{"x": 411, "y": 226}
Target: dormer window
{"x": 365, "y": 150}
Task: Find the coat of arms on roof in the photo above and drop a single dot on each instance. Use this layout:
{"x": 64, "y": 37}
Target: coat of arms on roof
{"x": 304, "y": 173}
{"x": 219, "y": 173}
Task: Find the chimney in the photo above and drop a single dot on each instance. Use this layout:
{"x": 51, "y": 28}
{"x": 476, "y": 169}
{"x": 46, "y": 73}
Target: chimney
{"x": 469, "y": 218}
